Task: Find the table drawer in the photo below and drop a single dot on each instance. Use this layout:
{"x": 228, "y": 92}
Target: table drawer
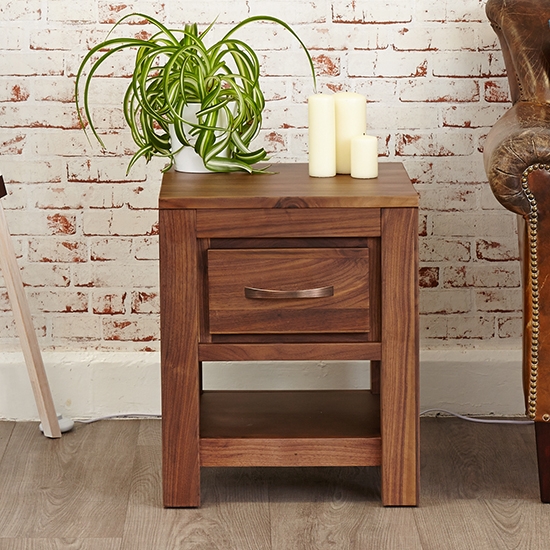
{"x": 271, "y": 291}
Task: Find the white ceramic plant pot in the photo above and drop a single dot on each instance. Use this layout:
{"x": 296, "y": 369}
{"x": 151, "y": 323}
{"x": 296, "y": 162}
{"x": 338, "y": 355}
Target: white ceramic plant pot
{"x": 187, "y": 159}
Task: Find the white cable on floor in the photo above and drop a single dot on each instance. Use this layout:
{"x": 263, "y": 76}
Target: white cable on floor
{"x": 480, "y": 420}
{"x": 112, "y": 416}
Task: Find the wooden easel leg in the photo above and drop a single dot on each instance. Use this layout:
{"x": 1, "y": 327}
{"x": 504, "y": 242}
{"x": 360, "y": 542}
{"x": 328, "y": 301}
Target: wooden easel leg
{"x": 27, "y": 334}
{"x": 542, "y": 432}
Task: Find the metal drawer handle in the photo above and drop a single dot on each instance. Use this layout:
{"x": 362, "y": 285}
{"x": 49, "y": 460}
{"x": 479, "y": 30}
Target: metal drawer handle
{"x": 266, "y": 294}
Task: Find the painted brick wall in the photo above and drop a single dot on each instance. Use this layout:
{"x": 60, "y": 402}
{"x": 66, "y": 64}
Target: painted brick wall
{"x": 86, "y": 233}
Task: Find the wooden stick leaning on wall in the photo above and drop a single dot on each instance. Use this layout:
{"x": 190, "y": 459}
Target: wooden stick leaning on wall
{"x": 25, "y": 328}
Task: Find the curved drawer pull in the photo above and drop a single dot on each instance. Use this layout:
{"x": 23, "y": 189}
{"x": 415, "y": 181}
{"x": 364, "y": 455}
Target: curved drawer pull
{"x": 266, "y": 294}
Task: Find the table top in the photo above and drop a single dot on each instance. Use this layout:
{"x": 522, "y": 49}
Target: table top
{"x": 290, "y": 186}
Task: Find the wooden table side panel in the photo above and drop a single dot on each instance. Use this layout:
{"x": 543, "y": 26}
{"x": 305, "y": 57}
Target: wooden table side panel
{"x": 179, "y": 358}
{"x": 291, "y": 452}
{"x": 290, "y": 352}
{"x": 290, "y": 222}
{"x": 399, "y": 395}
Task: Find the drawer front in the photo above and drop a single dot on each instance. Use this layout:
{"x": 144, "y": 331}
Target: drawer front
{"x": 274, "y": 291}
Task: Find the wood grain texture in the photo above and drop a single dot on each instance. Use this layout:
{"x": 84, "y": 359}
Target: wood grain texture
{"x": 399, "y": 391}
{"x": 60, "y": 544}
{"x": 75, "y": 487}
{"x": 344, "y": 271}
{"x": 290, "y": 187}
{"x": 6, "y": 429}
{"x": 285, "y": 223}
{"x": 290, "y": 352}
{"x": 179, "y": 293}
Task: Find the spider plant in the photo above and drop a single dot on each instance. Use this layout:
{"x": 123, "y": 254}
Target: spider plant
{"x": 175, "y": 68}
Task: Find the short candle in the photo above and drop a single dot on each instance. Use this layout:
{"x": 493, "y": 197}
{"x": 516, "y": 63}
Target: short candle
{"x": 364, "y": 157}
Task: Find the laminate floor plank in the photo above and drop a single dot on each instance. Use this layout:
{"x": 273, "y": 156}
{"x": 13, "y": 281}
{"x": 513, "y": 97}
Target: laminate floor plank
{"x": 6, "y": 429}
{"x": 234, "y": 514}
{"x": 75, "y": 487}
{"x": 336, "y": 508}
{"x": 60, "y": 544}
{"x": 470, "y": 460}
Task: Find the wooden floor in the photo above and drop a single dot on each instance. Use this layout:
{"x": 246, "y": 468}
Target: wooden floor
{"x": 98, "y": 488}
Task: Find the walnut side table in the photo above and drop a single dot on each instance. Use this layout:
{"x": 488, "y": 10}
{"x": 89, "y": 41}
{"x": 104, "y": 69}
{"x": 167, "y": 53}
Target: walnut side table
{"x": 287, "y": 267}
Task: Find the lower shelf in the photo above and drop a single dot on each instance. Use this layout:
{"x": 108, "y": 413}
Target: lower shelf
{"x": 290, "y": 428}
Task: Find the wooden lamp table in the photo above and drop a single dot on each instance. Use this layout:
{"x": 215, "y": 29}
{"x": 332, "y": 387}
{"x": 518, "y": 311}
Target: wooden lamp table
{"x": 286, "y": 267}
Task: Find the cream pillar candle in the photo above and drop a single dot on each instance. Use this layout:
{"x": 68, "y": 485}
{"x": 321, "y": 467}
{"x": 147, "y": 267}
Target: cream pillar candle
{"x": 351, "y": 121}
{"x": 321, "y": 136}
{"x": 364, "y": 157}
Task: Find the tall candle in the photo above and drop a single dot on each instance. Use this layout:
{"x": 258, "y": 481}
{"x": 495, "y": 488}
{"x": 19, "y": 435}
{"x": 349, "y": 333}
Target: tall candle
{"x": 364, "y": 157}
{"x": 351, "y": 121}
{"x": 321, "y": 136}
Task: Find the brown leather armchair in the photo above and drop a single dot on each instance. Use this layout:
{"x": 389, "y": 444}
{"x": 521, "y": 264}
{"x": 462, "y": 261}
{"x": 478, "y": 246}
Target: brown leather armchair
{"x": 517, "y": 162}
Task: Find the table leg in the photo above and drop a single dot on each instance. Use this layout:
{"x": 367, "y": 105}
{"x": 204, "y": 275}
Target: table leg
{"x": 399, "y": 366}
{"x": 179, "y": 358}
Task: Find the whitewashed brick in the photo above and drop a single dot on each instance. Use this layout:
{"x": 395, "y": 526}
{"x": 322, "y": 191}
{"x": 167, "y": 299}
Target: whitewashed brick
{"x": 455, "y": 198}
{"x": 145, "y": 302}
{"x": 439, "y": 90}
{"x": 112, "y": 11}
{"x": 457, "y": 327}
{"x": 101, "y": 169}
{"x": 56, "y": 250}
{"x": 140, "y": 274}
{"x": 36, "y": 222}
{"x": 80, "y": 327}
{"x": 14, "y": 89}
{"x": 444, "y": 250}
{"x": 446, "y": 301}
{"x": 140, "y": 328}
{"x": 292, "y": 63}
{"x": 59, "y": 301}
{"x": 344, "y": 37}
{"x": 33, "y": 115}
{"x": 120, "y": 222}
{"x": 45, "y": 275}
{"x": 459, "y": 169}
{"x": 497, "y": 90}
{"x": 226, "y": 11}
{"x": 489, "y": 276}
{"x": 463, "y": 64}
{"x": 287, "y": 116}
{"x": 32, "y": 64}
{"x": 446, "y": 37}
{"x": 17, "y": 10}
{"x": 71, "y": 11}
{"x": 384, "y": 11}
{"x": 146, "y": 248}
{"x": 497, "y": 249}
{"x": 12, "y": 40}
{"x": 109, "y": 302}
{"x": 12, "y": 143}
{"x": 468, "y": 224}
{"x": 387, "y": 63}
{"x": 440, "y": 144}
{"x": 468, "y": 116}
{"x": 111, "y": 249}
{"x": 510, "y": 326}
{"x": 402, "y": 117}
{"x": 499, "y": 299}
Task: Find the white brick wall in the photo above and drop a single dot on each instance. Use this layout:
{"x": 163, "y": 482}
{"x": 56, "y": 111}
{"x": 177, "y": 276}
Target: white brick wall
{"x": 86, "y": 233}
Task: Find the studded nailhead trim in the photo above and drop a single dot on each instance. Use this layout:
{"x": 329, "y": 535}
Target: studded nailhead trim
{"x": 534, "y": 275}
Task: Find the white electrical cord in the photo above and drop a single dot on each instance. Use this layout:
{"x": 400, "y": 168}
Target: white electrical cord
{"x": 112, "y": 416}
{"x": 480, "y": 420}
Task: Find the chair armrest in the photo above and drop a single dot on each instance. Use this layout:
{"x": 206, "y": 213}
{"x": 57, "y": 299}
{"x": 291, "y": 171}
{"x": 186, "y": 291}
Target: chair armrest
{"x": 521, "y": 138}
